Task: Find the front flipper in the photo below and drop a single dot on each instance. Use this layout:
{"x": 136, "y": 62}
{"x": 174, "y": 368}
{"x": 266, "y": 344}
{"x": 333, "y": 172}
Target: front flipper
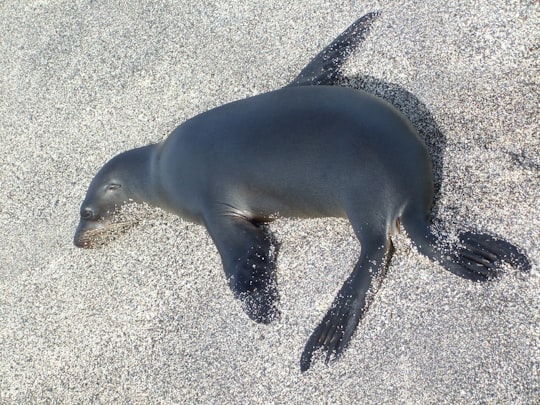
{"x": 247, "y": 254}
{"x": 337, "y": 327}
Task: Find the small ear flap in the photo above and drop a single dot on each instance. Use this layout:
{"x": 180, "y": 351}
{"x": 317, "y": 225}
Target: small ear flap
{"x": 113, "y": 186}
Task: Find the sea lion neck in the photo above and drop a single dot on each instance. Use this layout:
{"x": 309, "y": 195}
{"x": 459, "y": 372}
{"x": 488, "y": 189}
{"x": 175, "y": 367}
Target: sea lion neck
{"x": 140, "y": 163}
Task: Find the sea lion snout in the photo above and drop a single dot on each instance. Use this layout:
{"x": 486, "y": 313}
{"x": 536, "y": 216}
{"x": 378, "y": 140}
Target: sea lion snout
{"x": 91, "y": 234}
{"x": 86, "y": 232}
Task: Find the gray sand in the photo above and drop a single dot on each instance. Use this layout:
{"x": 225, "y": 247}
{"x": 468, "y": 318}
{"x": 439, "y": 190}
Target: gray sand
{"x": 149, "y": 318}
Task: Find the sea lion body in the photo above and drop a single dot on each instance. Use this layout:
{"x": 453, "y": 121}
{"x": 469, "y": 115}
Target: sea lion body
{"x": 314, "y": 151}
{"x": 306, "y": 150}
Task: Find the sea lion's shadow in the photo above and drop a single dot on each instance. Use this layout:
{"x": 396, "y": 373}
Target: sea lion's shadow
{"x": 415, "y": 110}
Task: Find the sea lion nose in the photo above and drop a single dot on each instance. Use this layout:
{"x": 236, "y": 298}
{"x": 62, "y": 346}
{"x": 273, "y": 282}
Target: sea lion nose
{"x": 87, "y": 214}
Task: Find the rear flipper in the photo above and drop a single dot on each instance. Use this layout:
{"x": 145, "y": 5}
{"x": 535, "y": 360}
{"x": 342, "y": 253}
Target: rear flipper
{"x": 334, "y": 332}
{"x": 325, "y": 68}
{"x": 477, "y": 257}
{"x": 482, "y": 251}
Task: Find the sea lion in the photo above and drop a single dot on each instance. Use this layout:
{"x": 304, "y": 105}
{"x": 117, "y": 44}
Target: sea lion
{"x": 301, "y": 151}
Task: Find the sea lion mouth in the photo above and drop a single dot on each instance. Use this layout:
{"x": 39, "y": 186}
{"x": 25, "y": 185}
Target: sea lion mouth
{"x": 97, "y": 234}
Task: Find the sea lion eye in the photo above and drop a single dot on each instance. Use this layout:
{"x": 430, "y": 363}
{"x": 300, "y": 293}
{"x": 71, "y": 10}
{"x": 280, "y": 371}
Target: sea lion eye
{"x": 113, "y": 186}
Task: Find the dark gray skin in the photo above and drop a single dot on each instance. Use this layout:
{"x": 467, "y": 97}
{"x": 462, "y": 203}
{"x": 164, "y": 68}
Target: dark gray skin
{"x": 301, "y": 151}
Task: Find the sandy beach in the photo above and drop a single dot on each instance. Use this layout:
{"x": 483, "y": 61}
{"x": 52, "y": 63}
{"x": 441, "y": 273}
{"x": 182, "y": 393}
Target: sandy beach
{"x": 149, "y": 318}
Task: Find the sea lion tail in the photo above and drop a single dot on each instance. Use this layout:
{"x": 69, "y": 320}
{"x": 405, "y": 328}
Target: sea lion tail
{"x": 476, "y": 256}
{"x": 325, "y": 68}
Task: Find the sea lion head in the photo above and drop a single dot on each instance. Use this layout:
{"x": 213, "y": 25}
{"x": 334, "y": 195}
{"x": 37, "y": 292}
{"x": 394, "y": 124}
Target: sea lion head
{"x": 100, "y": 213}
